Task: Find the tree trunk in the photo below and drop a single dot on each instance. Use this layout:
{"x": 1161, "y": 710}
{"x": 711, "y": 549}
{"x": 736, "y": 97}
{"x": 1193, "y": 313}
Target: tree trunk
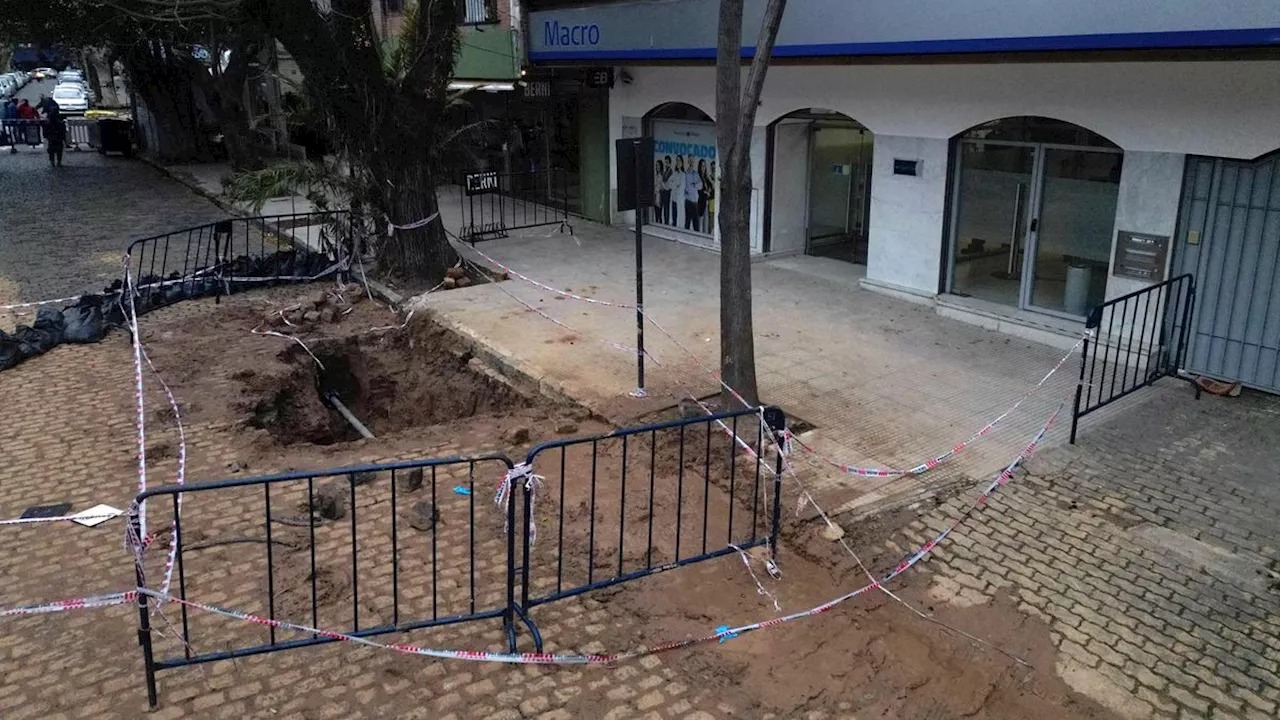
{"x": 737, "y": 341}
{"x": 735, "y": 124}
{"x": 410, "y": 196}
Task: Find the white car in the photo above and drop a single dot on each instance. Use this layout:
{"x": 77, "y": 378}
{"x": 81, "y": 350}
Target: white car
{"x": 71, "y": 99}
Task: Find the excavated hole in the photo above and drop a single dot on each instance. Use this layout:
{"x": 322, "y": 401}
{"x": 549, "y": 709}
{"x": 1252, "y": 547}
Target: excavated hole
{"x": 397, "y": 381}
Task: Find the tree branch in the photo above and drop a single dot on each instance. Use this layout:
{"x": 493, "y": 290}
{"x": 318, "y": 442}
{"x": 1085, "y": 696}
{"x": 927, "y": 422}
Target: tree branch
{"x": 760, "y": 61}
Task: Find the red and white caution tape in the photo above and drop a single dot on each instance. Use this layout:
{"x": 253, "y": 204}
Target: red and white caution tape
{"x": 609, "y": 658}
{"x": 60, "y": 518}
{"x": 93, "y": 601}
{"x": 460, "y": 245}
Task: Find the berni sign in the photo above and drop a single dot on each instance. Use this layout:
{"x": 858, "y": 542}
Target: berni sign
{"x": 686, "y": 29}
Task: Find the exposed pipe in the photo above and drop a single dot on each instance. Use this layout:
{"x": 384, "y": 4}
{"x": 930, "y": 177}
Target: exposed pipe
{"x": 332, "y": 397}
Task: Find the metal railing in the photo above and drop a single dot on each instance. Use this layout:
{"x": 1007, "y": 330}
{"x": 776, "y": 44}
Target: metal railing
{"x": 375, "y": 549}
{"x": 498, "y": 202}
{"x": 16, "y": 133}
{"x": 1136, "y": 339}
{"x": 217, "y": 258}
{"x": 335, "y": 543}
{"x": 645, "y": 500}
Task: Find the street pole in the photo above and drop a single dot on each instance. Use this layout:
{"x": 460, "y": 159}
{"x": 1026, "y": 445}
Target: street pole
{"x": 640, "y": 208}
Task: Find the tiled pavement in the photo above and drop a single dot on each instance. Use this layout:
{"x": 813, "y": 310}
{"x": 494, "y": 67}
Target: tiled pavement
{"x": 1151, "y": 550}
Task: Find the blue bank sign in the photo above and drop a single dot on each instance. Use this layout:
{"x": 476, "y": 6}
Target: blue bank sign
{"x": 686, "y": 29}
{"x": 556, "y": 35}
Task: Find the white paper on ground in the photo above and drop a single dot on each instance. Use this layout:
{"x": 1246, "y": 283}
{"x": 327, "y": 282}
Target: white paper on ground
{"x": 96, "y": 515}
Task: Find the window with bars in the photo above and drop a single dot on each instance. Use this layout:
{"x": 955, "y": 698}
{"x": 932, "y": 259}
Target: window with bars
{"x": 479, "y": 12}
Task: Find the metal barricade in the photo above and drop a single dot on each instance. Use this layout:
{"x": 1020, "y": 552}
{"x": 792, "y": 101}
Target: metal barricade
{"x": 328, "y": 549}
{"x": 645, "y": 500}
{"x": 497, "y": 203}
{"x": 577, "y": 515}
{"x": 78, "y": 133}
{"x": 1136, "y": 340}
{"x": 217, "y": 258}
{"x": 17, "y": 133}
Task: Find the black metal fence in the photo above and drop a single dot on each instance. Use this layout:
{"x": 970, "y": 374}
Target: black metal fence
{"x": 371, "y": 549}
{"x": 645, "y": 500}
{"x": 217, "y": 258}
{"x": 1137, "y": 339}
{"x": 495, "y": 203}
{"x": 377, "y": 549}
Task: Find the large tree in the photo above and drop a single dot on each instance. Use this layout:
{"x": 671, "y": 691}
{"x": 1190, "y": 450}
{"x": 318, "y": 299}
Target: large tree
{"x": 157, "y": 42}
{"x": 735, "y": 122}
{"x": 385, "y": 101}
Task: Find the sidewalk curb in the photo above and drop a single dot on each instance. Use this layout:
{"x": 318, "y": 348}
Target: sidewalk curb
{"x": 194, "y": 187}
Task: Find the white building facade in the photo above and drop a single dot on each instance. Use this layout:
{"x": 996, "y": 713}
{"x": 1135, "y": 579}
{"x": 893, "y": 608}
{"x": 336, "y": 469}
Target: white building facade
{"x": 990, "y": 157}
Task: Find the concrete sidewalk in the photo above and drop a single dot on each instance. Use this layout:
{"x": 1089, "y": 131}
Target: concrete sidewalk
{"x": 883, "y": 382}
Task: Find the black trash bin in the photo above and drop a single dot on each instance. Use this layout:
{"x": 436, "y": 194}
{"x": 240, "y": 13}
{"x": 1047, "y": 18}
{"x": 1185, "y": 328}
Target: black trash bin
{"x": 115, "y": 135}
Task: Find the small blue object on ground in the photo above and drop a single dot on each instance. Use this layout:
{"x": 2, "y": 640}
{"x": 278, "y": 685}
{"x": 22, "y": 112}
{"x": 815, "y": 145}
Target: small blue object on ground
{"x": 462, "y": 491}
{"x": 723, "y": 632}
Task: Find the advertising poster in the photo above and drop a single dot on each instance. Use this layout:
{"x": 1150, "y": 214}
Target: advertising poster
{"x": 685, "y": 176}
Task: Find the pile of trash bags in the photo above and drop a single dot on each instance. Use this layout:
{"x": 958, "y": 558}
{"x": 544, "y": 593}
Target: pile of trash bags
{"x": 92, "y": 316}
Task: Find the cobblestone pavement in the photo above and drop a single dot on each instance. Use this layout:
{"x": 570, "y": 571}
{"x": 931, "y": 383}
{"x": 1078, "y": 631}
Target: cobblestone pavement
{"x": 1151, "y": 550}
{"x": 74, "y": 445}
{"x": 64, "y": 230}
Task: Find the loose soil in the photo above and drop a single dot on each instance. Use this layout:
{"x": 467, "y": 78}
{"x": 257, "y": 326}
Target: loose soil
{"x": 603, "y": 507}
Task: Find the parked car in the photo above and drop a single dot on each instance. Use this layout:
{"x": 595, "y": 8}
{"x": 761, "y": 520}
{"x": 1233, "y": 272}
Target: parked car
{"x": 70, "y": 76}
{"x": 71, "y": 99}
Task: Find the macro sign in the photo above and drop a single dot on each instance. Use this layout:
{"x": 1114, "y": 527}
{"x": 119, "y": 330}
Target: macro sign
{"x": 686, "y": 29}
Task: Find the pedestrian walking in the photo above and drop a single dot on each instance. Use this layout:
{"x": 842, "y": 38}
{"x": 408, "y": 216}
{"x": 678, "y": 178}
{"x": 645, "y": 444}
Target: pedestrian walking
{"x": 9, "y": 130}
{"x": 55, "y": 135}
{"x": 26, "y": 111}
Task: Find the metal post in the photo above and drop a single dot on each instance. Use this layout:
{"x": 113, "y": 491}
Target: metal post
{"x": 144, "y": 619}
{"x": 776, "y": 421}
{"x": 640, "y": 168}
{"x": 1075, "y": 408}
{"x": 509, "y": 615}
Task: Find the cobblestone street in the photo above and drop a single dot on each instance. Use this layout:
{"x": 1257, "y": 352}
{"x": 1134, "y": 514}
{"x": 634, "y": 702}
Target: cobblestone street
{"x": 1150, "y": 549}
{"x": 65, "y": 229}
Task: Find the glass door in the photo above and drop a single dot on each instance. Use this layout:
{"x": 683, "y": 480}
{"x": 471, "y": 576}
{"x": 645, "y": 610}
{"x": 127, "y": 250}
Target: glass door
{"x": 839, "y": 191}
{"x": 993, "y": 209}
{"x": 1033, "y": 224}
{"x": 1077, "y": 195}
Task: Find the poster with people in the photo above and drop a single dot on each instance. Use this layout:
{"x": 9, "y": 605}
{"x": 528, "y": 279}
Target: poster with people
{"x": 685, "y": 176}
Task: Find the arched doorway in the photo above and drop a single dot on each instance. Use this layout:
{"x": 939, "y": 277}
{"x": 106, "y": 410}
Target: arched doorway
{"x": 1033, "y": 213}
{"x": 818, "y": 185}
{"x": 686, "y": 175}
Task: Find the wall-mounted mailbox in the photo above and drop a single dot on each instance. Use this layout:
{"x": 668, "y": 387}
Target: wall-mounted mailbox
{"x": 906, "y": 167}
{"x": 1140, "y": 256}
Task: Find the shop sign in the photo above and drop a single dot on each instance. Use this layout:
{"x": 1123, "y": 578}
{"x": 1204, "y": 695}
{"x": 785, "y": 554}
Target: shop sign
{"x": 600, "y": 77}
{"x": 685, "y": 176}
{"x": 686, "y": 29}
{"x": 537, "y": 88}
{"x": 482, "y": 183}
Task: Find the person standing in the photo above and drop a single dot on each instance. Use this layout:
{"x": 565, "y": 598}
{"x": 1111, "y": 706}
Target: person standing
{"x": 10, "y": 129}
{"x": 712, "y": 184}
{"x": 704, "y": 194}
{"x": 677, "y": 190}
{"x": 658, "y": 182}
{"x": 26, "y": 112}
{"x": 55, "y": 135}
{"x": 692, "y": 184}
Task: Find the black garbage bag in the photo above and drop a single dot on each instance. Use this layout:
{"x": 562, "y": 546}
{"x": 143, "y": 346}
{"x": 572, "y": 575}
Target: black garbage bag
{"x": 83, "y": 324}
{"x": 10, "y": 353}
{"x": 49, "y": 320}
{"x": 34, "y": 341}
